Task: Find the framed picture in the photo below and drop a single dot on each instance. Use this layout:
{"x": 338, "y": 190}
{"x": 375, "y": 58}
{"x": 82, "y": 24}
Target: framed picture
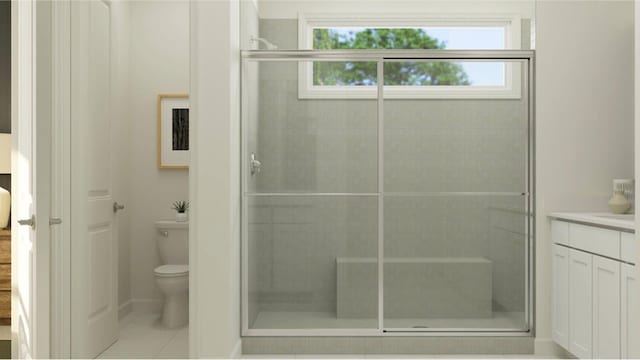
{"x": 173, "y": 131}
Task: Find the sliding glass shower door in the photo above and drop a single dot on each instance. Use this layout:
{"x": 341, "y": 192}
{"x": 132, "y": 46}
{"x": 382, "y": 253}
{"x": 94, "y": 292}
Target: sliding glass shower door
{"x": 386, "y": 192}
{"x": 455, "y": 195}
{"x": 310, "y": 201}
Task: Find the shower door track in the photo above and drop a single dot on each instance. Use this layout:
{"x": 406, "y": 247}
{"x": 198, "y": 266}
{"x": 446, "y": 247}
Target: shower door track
{"x": 527, "y": 58}
{"x": 382, "y": 55}
{"x": 388, "y": 193}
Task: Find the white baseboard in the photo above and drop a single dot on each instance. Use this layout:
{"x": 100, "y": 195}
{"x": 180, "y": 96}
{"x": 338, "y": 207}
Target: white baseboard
{"x": 548, "y": 348}
{"x": 147, "y": 305}
{"x": 237, "y": 350}
{"x": 125, "y": 309}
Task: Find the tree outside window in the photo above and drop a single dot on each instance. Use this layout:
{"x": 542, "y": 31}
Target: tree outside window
{"x": 396, "y": 73}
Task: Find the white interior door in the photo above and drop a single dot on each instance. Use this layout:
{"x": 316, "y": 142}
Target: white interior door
{"x": 31, "y": 115}
{"x": 94, "y": 323}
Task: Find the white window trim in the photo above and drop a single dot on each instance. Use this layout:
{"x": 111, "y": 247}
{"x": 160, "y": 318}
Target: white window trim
{"x": 308, "y": 22}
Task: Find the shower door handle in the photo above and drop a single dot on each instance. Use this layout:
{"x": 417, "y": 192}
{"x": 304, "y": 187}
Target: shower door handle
{"x": 117, "y": 207}
{"x": 255, "y": 164}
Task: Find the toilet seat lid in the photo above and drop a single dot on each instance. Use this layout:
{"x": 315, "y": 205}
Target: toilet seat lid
{"x": 169, "y": 270}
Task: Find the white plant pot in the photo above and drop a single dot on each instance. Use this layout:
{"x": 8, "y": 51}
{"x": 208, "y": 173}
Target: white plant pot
{"x": 181, "y": 217}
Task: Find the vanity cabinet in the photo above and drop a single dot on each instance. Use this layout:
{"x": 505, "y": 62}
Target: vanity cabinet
{"x": 594, "y": 292}
{"x": 629, "y": 309}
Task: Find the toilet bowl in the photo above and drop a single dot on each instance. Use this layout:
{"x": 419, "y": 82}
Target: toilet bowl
{"x": 173, "y": 276}
{"x": 173, "y": 281}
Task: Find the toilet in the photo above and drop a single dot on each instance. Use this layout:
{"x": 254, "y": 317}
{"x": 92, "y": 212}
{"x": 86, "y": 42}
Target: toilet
{"x": 173, "y": 276}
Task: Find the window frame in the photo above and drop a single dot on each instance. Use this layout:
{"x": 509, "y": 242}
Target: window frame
{"x": 308, "y": 22}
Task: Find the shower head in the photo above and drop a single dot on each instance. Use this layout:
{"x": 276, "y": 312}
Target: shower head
{"x": 267, "y": 43}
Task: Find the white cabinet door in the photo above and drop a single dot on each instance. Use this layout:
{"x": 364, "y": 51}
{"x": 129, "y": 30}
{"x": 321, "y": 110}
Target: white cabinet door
{"x": 580, "y": 298}
{"x": 606, "y": 308}
{"x": 630, "y": 298}
{"x": 560, "y": 300}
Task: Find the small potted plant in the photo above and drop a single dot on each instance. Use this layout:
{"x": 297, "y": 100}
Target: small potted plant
{"x": 181, "y": 208}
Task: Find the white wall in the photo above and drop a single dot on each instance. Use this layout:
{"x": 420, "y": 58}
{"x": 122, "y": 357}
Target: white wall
{"x": 584, "y": 139}
{"x": 249, "y": 24}
{"x": 584, "y": 119}
{"x": 159, "y": 64}
{"x": 289, "y": 9}
{"x": 637, "y": 113}
{"x": 5, "y": 79}
{"x": 214, "y": 246}
{"x": 5, "y": 67}
{"x": 637, "y": 141}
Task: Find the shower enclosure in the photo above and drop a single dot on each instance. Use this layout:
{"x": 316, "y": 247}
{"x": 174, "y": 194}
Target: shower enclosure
{"x": 381, "y": 206}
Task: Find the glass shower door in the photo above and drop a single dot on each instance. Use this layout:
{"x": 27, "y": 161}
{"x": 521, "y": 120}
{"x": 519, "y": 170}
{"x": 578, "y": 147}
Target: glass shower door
{"x": 456, "y": 195}
{"x": 371, "y": 208}
{"x": 310, "y": 201}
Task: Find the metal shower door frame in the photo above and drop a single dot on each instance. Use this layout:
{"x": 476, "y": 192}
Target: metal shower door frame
{"x": 526, "y": 57}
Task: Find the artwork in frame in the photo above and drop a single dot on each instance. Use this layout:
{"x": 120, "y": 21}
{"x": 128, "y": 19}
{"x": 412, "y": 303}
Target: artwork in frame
{"x": 173, "y": 131}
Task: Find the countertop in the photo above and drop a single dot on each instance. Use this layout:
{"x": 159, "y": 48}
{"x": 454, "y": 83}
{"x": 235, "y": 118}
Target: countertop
{"x": 622, "y": 222}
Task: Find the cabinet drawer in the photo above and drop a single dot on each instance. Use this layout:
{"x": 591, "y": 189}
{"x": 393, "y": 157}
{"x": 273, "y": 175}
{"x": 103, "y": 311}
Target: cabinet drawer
{"x": 5, "y": 304}
{"x": 560, "y": 232}
{"x": 5, "y": 276}
{"x": 596, "y": 240}
{"x": 628, "y": 248}
{"x": 5, "y": 251}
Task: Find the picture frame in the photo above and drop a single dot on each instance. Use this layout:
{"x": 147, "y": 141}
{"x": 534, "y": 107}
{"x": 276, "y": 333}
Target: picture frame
{"x": 173, "y": 131}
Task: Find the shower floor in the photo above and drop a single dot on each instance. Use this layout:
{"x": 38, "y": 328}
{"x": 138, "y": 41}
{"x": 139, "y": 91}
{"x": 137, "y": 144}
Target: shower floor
{"x": 328, "y": 320}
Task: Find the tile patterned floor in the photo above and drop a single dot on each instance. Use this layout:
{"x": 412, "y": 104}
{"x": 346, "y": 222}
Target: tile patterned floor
{"x": 142, "y": 336}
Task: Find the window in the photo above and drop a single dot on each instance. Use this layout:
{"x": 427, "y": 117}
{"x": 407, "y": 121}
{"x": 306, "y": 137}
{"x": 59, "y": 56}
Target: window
{"x": 409, "y": 79}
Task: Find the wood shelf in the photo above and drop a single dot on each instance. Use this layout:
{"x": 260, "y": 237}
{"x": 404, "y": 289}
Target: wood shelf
{"x": 5, "y": 276}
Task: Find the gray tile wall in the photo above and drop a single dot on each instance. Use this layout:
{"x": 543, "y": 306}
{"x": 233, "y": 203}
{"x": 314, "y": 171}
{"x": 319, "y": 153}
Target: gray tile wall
{"x": 294, "y": 242}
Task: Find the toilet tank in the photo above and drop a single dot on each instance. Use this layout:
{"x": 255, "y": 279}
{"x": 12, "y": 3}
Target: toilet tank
{"x": 173, "y": 242}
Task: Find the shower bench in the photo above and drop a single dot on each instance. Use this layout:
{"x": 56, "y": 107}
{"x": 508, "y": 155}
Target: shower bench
{"x": 415, "y": 287}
